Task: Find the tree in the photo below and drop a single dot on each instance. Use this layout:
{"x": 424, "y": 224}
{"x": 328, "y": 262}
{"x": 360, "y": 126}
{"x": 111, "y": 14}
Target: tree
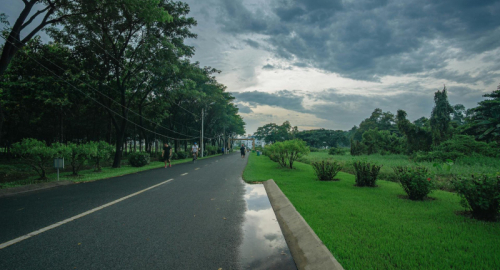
{"x": 441, "y": 118}
{"x": 484, "y": 120}
{"x": 417, "y": 139}
{"x": 127, "y": 44}
{"x": 54, "y": 12}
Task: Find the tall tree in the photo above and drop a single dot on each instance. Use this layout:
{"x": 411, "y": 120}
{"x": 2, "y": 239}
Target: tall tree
{"x": 441, "y": 118}
{"x": 484, "y": 122}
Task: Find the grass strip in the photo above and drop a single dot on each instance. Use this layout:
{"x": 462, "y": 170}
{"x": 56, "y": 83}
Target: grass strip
{"x": 373, "y": 228}
{"x": 91, "y": 175}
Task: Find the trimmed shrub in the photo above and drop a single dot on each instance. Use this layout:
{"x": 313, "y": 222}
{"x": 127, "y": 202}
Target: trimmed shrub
{"x": 139, "y": 159}
{"x": 415, "y": 181}
{"x": 182, "y": 155}
{"x": 287, "y": 152}
{"x": 99, "y": 152}
{"x": 480, "y": 194}
{"x": 78, "y": 155}
{"x": 36, "y": 154}
{"x": 326, "y": 171}
{"x": 336, "y": 151}
{"x": 366, "y": 173}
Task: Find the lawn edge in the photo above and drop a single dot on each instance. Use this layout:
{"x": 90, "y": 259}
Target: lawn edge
{"x": 4, "y": 192}
{"x": 33, "y": 187}
{"x": 307, "y": 249}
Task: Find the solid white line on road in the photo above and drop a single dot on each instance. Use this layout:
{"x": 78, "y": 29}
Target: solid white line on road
{"x": 184, "y": 174}
{"x": 31, "y": 234}
{"x": 196, "y": 169}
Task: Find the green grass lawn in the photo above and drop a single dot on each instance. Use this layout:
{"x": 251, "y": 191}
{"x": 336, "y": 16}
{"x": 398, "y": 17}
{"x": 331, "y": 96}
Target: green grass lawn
{"x": 90, "y": 175}
{"x": 372, "y": 228}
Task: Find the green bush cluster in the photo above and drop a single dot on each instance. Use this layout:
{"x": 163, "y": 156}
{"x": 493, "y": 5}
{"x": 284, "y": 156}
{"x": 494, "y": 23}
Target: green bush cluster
{"x": 211, "y": 150}
{"x": 139, "y": 159}
{"x": 182, "y": 155}
{"x": 357, "y": 148}
{"x": 366, "y": 173}
{"x": 416, "y": 181}
{"x": 481, "y": 194}
{"x": 325, "y": 170}
{"x": 40, "y": 157}
{"x": 313, "y": 149}
{"x": 336, "y": 151}
{"x": 287, "y": 152}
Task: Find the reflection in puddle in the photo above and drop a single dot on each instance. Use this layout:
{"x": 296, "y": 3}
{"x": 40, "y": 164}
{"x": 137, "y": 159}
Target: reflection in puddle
{"x": 264, "y": 246}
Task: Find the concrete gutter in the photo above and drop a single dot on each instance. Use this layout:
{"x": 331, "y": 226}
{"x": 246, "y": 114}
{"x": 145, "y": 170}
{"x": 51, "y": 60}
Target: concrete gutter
{"x": 307, "y": 249}
{"x": 28, "y": 188}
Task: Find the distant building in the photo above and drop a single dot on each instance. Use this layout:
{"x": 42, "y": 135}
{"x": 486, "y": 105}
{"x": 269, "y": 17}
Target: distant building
{"x": 249, "y": 142}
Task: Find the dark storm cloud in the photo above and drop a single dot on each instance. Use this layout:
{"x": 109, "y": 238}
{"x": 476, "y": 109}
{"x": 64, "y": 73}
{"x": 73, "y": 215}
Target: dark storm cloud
{"x": 251, "y": 43}
{"x": 366, "y": 40}
{"x": 244, "y": 109}
{"x": 268, "y": 66}
{"x": 284, "y": 99}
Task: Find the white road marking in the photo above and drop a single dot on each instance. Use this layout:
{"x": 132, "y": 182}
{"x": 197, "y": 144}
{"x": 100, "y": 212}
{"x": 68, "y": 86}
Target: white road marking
{"x": 55, "y": 225}
{"x": 196, "y": 169}
{"x": 184, "y": 174}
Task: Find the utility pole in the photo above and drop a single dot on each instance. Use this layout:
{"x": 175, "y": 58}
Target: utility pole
{"x": 202, "y": 117}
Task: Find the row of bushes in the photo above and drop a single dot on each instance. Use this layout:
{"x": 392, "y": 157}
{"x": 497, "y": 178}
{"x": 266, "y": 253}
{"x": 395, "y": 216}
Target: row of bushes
{"x": 40, "y": 157}
{"x": 480, "y": 194}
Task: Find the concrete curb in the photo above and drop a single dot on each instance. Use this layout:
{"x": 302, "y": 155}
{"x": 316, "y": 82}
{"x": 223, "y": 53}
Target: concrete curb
{"x": 307, "y": 249}
{"x": 34, "y": 187}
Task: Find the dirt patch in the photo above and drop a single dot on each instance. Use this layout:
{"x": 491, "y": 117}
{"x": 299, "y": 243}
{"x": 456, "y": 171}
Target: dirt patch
{"x": 406, "y": 197}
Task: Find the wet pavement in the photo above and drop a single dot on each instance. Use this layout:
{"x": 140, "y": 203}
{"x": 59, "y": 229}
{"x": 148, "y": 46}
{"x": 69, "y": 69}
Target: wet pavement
{"x": 263, "y": 246}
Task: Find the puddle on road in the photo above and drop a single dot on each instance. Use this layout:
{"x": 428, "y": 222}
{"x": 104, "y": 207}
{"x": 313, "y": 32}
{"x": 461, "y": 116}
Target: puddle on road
{"x": 264, "y": 246}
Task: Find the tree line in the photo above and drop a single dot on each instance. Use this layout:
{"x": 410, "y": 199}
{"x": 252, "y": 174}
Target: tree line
{"x": 450, "y": 132}
{"x": 115, "y": 71}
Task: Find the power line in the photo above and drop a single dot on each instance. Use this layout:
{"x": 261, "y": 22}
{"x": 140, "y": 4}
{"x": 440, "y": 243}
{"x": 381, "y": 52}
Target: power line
{"x": 109, "y": 109}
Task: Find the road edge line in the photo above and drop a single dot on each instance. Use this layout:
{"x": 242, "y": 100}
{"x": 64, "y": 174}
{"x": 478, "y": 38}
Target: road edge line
{"x": 57, "y": 224}
{"x": 308, "y": 251}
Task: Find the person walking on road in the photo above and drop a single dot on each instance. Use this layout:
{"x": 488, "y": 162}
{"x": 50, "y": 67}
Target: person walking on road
{"x": 166, "y": 154}
{"x": 242, "y": 150}
{"x": 195, "y": 150}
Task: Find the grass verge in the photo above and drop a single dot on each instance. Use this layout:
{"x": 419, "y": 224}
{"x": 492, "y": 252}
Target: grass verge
{"x": 90, "y": 175}
{"x": 372, "y": 228}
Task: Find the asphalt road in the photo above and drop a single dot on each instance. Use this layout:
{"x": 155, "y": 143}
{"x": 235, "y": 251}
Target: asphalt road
{"x": 192, "y": 222}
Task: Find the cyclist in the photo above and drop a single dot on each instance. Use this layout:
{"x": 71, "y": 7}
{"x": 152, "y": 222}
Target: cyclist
{"x": 195, "y": 150}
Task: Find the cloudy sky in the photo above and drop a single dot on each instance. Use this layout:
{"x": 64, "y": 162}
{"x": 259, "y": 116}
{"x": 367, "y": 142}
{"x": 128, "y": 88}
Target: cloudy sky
{"x": 330, "y": 63}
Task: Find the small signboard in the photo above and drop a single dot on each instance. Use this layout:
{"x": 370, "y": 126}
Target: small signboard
{"x": 59, "y": 163}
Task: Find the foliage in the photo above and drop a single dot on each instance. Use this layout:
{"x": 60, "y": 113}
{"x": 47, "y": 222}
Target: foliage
{"x": 382, "y": 141}
{"x": 416, "y": 181}
{"x": 272, "y": 132}
{"x": 485, "y": 118}
{"x": 357, "y": 148}
{"x": 481, "y": 194}
{"x": 295, "y": 149}
{"x": 325, "y": 170}
{"x": 211, "y": 149}
{"x": 174, "y": 156}
{"x": 323, "y": 137}
{"x": 459, "y": 146}
{"x": 417, "y": 138}
{"x": 378, "y": 120}
{"x": 139, "y": 159}
{"x": 287, "y": 152}
{"x": 336, "y": 151}
{"x": 441, "y": 118}
{"x": 313, "y": 149}
{"x": 366, "y": 173}
{"x": 182, "y": 154}
{"x": 100, "y": 152}
{"x": 78, "y": 155}
{"x": 36, "y": 154}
